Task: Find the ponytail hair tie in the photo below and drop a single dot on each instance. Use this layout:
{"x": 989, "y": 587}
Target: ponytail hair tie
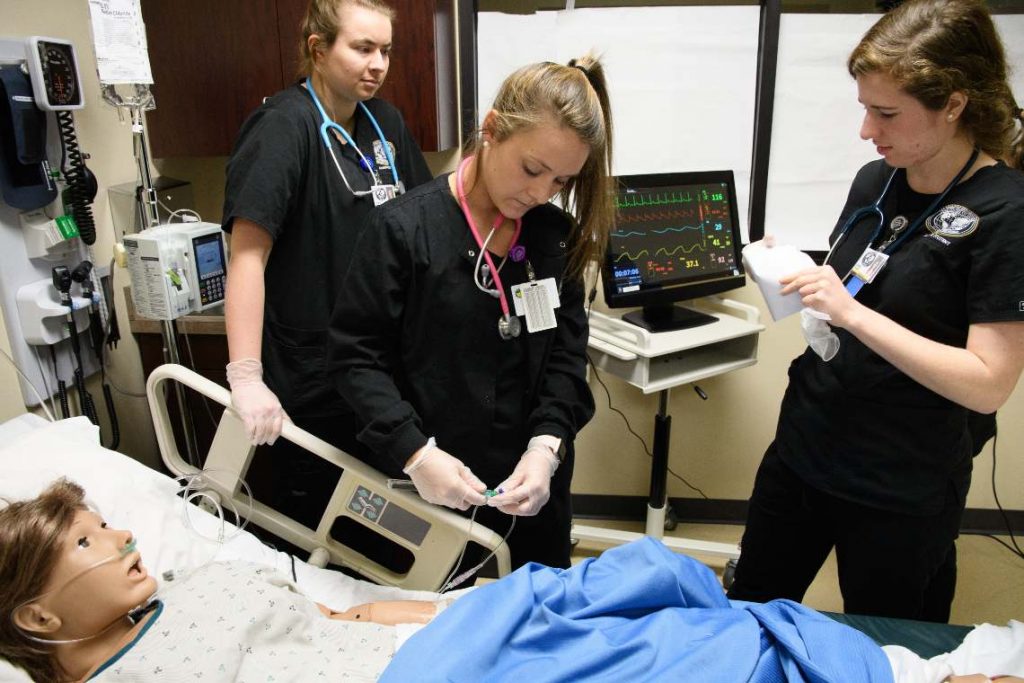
{"x": 573, "y": 64}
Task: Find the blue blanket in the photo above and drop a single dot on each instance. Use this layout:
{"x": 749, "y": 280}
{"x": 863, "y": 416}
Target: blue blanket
{"x": 638, "y": 612}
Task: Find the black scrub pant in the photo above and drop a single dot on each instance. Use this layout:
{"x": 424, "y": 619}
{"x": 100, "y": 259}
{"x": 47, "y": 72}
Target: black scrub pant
{"x": 890, "y": 564}
{"x": 301, "y": 483}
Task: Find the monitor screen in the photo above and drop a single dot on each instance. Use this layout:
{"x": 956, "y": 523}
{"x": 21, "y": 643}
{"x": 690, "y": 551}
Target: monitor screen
{"x": 676, "y": 237}
{"x": 209, "y": 255}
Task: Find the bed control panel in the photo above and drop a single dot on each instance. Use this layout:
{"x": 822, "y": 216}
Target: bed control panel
{"x": 376, "y": 509}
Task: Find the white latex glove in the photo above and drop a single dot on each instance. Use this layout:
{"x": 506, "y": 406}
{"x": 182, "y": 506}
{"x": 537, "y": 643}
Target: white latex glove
{"x": 528, "y": 488}
{"x": 818, "y": 334}
{"x": 254, "y": 402}
{"x": 442, "y": 479}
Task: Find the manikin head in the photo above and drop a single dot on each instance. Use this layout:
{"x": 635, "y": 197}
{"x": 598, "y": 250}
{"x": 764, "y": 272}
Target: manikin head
{"x": 66, "y": 576}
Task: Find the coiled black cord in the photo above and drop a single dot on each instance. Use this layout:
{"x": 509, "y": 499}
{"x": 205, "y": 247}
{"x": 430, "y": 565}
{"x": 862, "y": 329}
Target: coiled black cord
{"x": 62, "y": 387}
{"x": 77, "y": 177}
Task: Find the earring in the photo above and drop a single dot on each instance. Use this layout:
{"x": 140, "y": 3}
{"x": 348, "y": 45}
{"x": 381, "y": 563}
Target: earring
{"x": 949, "y": 117}
{"x": 485, "y": 143}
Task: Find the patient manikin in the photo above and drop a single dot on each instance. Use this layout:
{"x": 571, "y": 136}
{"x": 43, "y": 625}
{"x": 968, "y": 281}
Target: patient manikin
{"x": 78, "y": 603}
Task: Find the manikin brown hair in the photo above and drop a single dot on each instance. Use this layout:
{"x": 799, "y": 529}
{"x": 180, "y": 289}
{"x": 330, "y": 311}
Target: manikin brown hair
{"x": 31, "y": 534}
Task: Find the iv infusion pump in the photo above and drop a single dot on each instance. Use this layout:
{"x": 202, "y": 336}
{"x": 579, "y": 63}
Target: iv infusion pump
{"x": 176, "y": 269}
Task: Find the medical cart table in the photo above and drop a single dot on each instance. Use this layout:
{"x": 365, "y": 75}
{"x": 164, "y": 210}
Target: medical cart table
{"x": 657, "y": 362}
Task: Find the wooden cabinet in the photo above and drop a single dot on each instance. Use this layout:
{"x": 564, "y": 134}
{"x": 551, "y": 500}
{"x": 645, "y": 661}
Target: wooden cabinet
{"x": 202, "y": 347}
{"x": 214, "y": 62}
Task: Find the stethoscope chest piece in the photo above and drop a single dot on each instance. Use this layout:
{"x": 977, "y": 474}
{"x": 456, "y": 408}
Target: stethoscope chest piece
{"x": 509, "y": 327}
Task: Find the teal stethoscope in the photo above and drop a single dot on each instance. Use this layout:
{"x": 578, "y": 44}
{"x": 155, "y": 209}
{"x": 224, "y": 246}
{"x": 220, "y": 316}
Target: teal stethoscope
{"x": 854, "y": 281}
{"x": 329, "y": 125}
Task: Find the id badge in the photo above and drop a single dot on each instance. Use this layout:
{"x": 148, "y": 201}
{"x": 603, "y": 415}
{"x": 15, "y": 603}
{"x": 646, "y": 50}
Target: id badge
{"x": 869, "y": 265}
{"x": 380, "y": 156}
{"x": 382, "y": 194}
{"x": 537, "y": 300}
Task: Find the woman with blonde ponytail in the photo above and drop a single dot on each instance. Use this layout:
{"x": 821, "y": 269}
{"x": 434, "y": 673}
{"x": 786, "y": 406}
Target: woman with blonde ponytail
{"x": 460, "y": 337}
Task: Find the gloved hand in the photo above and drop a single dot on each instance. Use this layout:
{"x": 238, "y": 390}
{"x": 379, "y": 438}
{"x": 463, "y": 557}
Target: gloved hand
{"x": 442, "y": 479}
{"x": 254, "y": 402}
{"x": 528, "y": 488}
{"x": 819, "y": 335}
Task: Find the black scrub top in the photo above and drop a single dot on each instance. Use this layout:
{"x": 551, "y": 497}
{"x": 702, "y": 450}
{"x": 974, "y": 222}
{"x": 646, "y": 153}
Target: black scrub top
{"x": 281, "y": 177}
{"x": 856, "y": 426}
{"x": 414, "y": 345}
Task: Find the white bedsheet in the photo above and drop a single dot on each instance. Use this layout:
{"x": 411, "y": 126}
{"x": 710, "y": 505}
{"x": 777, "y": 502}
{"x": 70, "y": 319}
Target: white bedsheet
{"x": 988, "y": 649}
{"x": 129, "y": 495}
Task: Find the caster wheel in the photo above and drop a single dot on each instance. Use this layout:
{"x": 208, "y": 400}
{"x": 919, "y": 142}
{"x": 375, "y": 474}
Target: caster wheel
{"x": 671, "y": 520}
{"x": 730, "y": 574}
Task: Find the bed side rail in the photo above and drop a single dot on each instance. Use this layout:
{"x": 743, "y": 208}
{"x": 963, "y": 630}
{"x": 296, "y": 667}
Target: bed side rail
{"x": 434, "y": 535}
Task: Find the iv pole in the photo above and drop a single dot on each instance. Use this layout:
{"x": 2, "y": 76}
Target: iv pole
{"x": 135, "y": 105}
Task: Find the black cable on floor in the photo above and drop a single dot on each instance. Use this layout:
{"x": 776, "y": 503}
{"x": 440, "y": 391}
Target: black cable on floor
{"x": 590, "y": 303}
{"x": 1015, "y": 549}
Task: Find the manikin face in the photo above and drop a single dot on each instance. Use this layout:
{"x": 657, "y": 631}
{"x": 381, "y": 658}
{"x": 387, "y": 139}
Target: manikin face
{"x": 88, "y": 600}
{"x": 904, "y": 131}
{"x": 354, "y": 67}
{"x": 530, "y": 166}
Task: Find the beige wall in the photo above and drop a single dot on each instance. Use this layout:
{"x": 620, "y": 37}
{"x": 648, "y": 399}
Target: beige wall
{"x": 716, "y": 444}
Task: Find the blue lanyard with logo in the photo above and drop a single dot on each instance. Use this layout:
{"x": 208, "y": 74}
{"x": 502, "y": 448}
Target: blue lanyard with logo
{"x": 871, "y": 261}
{"x": 378, "y": 191}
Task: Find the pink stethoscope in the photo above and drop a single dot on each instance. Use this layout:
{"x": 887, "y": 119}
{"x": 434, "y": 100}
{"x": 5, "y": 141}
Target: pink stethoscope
{"x": 509, "y": 326}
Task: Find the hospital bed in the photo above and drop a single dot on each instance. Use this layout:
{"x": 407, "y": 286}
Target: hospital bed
{"x": 174, "y": 537}
{"x": 230, "y": 456}
{"x": 434, "y": 537}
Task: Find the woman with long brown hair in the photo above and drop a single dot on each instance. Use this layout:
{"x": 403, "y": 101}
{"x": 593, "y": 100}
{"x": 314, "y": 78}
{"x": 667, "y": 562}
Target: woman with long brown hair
{"x": 923, "y": 288}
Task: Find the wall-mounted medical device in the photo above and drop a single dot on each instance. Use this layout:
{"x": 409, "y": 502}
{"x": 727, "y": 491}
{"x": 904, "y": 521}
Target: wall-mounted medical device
{"x": 176, "y": 269}
{"x": 46, "y": 223}
{"x": 53, "y": 68}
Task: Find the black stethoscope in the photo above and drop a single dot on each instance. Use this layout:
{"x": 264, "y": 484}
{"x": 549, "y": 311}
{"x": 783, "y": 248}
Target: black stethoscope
{"x": 900, "y": 232}
{"x": 328, "y": 124}
{"x": 509, "y": 326}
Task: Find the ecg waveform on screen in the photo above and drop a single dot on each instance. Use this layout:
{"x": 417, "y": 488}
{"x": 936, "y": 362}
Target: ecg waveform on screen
{"x": 652, "y": 199}
{"x": 666, "y": 234}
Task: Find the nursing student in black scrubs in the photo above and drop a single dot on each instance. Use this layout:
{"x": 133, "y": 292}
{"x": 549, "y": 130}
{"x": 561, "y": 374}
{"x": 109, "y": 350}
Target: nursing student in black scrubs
{"x": 459, "y": 336}
{"x": 307, "y": 168}
{"x": 872, "y": 455}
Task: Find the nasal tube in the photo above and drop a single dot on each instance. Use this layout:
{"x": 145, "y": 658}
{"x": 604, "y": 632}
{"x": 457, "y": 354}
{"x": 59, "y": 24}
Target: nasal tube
{"x": 129, "y": 548}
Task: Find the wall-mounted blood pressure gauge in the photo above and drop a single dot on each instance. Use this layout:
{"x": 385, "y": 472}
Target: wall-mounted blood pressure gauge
{"x": 53, "y": 69}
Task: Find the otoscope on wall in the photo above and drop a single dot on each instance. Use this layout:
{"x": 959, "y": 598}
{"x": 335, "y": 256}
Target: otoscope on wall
{"x": 84, "y": 275}
{"x": 62, "y": 283}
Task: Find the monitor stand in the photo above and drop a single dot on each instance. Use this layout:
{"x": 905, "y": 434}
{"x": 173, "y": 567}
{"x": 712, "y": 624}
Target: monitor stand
{"x": 667, "y": 318}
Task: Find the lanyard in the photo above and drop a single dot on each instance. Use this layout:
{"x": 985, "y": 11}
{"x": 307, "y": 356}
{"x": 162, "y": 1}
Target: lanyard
{"x": 495, "y": 276}
{"x": 327, "y": 124}
{"x": 855, "y": 282}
